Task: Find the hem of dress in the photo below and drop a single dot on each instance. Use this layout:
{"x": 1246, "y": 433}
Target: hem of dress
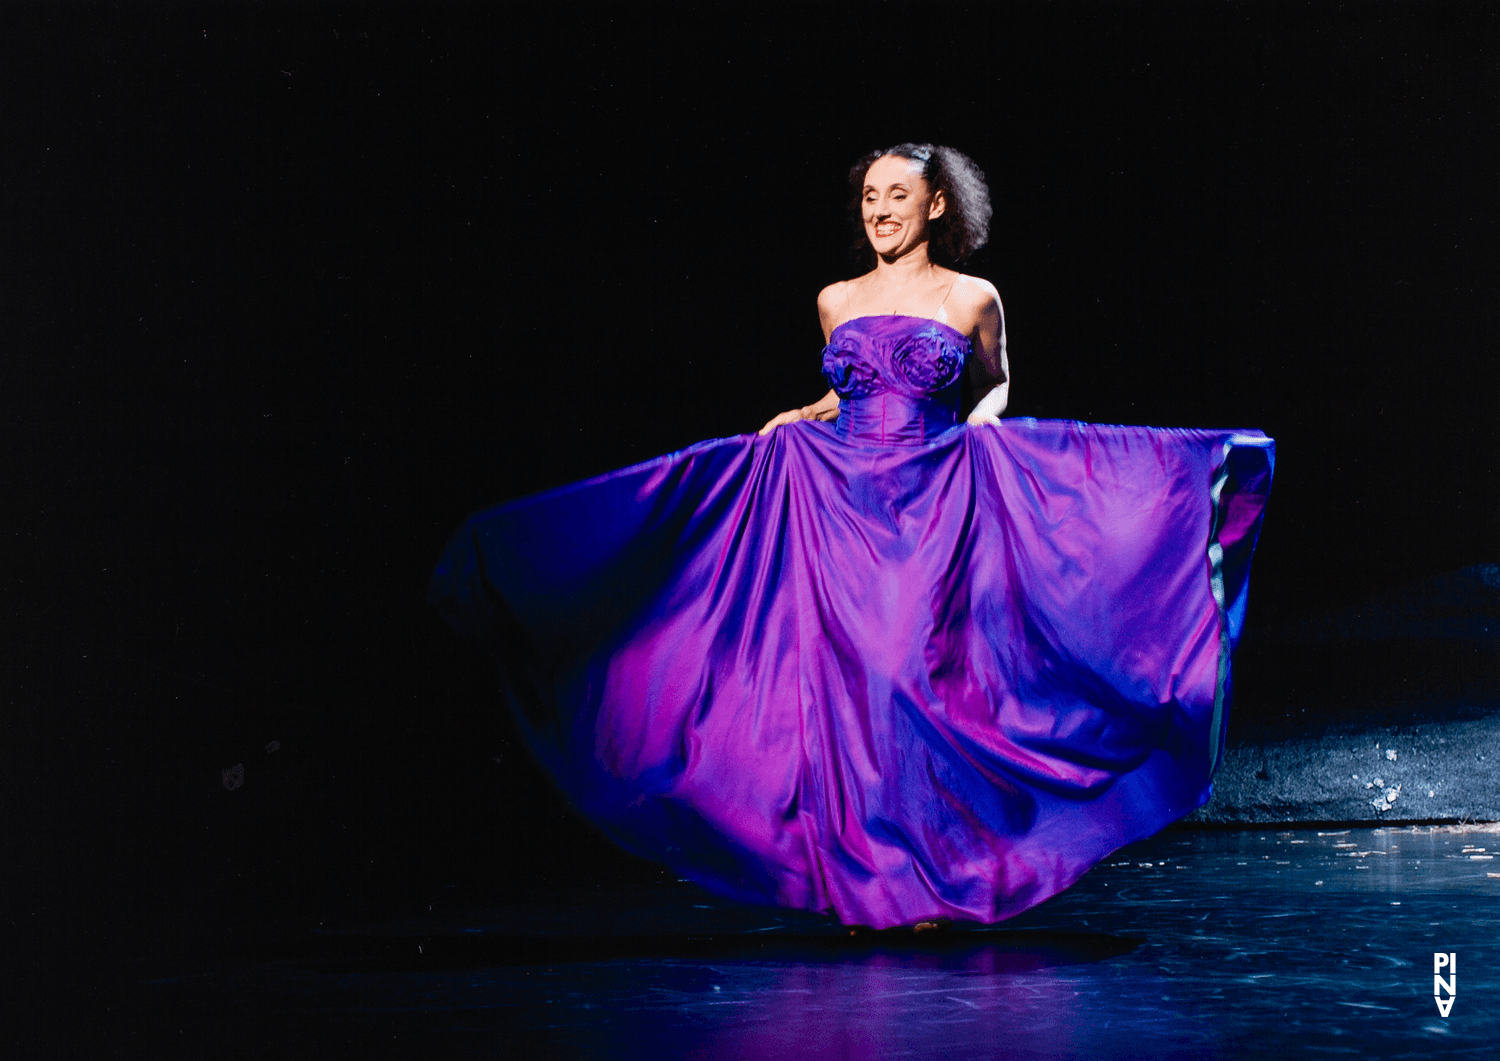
{"x": 1216, "y": 582}
{"x": 1227, "y": 638}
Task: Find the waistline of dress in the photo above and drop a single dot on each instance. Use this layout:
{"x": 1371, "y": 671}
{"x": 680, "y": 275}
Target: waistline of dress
{"x": 894, "y": 419}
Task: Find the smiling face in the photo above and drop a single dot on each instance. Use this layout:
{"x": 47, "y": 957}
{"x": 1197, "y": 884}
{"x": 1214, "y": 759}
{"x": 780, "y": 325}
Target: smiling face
{"x": 897, "y": 205}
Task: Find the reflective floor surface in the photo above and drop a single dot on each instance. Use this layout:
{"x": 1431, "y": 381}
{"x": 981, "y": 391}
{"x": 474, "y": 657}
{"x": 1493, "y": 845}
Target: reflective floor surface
{"x": 1294, "y": 943}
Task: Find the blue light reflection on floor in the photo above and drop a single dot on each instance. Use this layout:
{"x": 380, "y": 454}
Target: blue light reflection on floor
{"x": 1192, "y": 945}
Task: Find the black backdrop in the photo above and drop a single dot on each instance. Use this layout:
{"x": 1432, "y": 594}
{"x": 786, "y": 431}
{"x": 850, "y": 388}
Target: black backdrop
{"x": 289, "y": 290}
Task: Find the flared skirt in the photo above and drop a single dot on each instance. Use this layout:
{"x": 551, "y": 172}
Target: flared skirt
{"x": 892, "y": 683}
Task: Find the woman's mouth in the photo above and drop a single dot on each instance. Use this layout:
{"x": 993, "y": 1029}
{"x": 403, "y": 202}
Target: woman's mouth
{"x": 886, "y": 228}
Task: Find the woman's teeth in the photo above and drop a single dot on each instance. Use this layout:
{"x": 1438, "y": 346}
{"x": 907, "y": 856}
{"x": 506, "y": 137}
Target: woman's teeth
{"x": 886, "y": 230}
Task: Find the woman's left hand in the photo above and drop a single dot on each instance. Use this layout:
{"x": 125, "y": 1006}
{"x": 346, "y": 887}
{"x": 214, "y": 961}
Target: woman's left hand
{"x": 988, "y": 409}
{"x": 990, "y": 366}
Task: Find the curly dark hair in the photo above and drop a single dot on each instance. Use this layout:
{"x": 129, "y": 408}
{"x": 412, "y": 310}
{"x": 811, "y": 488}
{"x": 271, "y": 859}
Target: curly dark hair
{"x": 965, "y": 224}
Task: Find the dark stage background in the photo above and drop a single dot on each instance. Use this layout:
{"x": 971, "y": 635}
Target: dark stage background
{"x": 289, "y": 290}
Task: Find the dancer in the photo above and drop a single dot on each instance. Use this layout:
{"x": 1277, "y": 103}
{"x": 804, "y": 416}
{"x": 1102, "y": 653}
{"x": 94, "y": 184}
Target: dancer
{"x": 901, "y": 210}
{"x": 872, "y": 660}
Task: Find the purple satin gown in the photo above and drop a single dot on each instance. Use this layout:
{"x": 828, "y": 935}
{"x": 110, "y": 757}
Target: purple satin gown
{"x": 893, "y": 667}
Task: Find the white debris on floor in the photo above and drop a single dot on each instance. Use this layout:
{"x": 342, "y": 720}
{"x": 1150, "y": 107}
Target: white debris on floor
{"x": 1331, "y": 778}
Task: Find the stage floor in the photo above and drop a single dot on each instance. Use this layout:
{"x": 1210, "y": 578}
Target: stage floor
{"x": 1307, "y": 942}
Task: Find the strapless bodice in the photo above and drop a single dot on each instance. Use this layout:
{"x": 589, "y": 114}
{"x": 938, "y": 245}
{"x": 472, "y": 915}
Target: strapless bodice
{"x": 897, "y": 378}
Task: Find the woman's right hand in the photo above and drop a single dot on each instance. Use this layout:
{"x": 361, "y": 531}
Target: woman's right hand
{"x": 825, "y": 408}
{"x": 791, "y": 416}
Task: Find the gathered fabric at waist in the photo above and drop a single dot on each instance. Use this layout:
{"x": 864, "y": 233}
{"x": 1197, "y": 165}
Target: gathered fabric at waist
{"x": 895, "y": 419}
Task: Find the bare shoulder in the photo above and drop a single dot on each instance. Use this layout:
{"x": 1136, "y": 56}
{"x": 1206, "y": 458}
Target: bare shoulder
{"x": 831, "y": 301}
{"x": 975, "y": 294}
{"x": 833, "y": 297}
{"x": 975, "y": 302}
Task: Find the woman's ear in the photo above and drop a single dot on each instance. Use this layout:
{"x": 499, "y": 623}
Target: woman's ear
{"x": 939, "y": 204}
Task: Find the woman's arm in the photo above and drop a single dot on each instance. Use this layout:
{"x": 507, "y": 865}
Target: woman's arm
{"x": 825, "y": 408}
{"x": 990, "y": 366}
{"x": 830, "y": 300}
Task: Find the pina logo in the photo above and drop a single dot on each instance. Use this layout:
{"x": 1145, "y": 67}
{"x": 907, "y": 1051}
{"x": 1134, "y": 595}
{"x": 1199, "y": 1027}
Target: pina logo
{"x": 1440, "y": 986}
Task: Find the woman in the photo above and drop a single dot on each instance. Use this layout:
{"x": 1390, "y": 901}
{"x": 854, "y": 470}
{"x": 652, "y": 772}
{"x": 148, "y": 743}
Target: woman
{"x": 872, "y": 661}
{"x": 903, "y": 198}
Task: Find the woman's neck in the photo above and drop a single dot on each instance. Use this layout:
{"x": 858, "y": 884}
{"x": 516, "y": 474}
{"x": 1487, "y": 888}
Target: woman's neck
{"x": 906, "y": 267}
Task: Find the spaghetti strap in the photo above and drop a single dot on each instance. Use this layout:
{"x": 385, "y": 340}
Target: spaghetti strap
{"x": 946, "y": 293}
